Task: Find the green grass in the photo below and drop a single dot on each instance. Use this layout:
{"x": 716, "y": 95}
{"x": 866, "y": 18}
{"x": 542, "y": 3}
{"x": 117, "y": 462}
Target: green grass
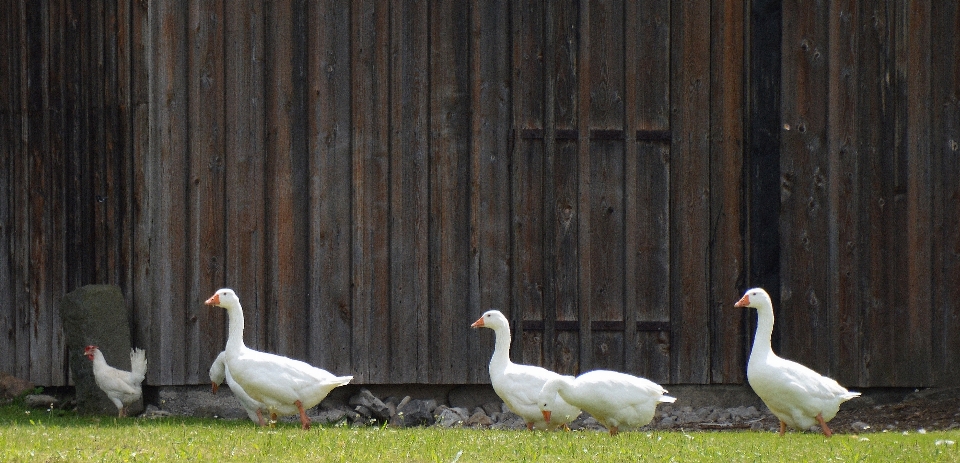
{"x": 42, "y": 436}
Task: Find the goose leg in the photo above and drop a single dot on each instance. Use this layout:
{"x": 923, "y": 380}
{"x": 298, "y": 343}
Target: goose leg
{"x": 304, "y": 421}
{"x": 530, "y": 426}
{"x": 614, "y": 430}
{"x": 823, "y": 425}
{"x": 260, "y": 418}
{"x": 783, "y": 427}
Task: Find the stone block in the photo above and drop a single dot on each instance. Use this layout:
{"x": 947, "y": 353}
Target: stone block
{"x": 96, "y": 315}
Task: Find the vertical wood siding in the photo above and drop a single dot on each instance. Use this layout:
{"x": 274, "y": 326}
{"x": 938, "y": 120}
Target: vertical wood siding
{"x": 371, "y": 176}
{"x": 868, "y": 135}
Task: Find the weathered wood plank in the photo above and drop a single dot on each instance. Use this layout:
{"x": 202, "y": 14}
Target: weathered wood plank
{"x": 207, "y": 183}
{"x": 115, "y": 140}
{"x": 843, "y": 191}
{"x": 20, "y": 216}
{"x": 606, "y": 203}
{"x": 727, "y": 107}
{"x": 10, "y": 150}
{"x": 563, "y": 349}
{"x": 409, "y": 200}
{"x": 804, "y": 323}
{"x": 875, "y": 145}
{"x": 631, "y": 34}
{"x": 490, "y": 166}
{"x": 914, "y": 68}
{"x": 169, "y": 154}
{"x": 286, "y": 177}
{"x": 604, "y": 176}
{"x": 40, "y": 196}
{"x": 650, "y": 279}
{"x": 328, "y": 72}
{"x": 647, "y": 185}
{"x": 371, "y": 250}
{"x": 689, "y": 192}
{"x": 649, "y": 38}
{"x": 75, "y": 135}
{"x": 244, "y": 167}
{"x": 61, "y": 150}
{"x": 567, "y": 260}
{"x": 529, "y": 282}
{"x": 121, "y": 47}
{"x": 945, "y": 178}
{"x": 763, "y": 160}
{"x": 605, "y": 90}
{"x": 140, "y": 175}
{"x": 584, "y": 261}
{"x": 97, "y": 179}
{"x": 530, "y": 285}
{"x": 452, "y": 298}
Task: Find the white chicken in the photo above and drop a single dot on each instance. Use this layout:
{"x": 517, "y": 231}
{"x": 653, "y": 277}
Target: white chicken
{"x": 121, "y": 387}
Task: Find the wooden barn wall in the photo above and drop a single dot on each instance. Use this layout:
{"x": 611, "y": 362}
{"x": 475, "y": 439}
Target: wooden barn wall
{"x": 371, "y": 176}
{"x": 869, "y": 166}
{"x": 66, "y": 205}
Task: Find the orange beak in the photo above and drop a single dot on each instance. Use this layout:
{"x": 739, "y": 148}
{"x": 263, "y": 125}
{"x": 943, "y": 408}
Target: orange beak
{"x": 546, "y": 415}
{"x": 216, "y": 387}
{"x": 743, "y": 302}
{"x": 478, "y": 323}
{"x": 214, "y": 300}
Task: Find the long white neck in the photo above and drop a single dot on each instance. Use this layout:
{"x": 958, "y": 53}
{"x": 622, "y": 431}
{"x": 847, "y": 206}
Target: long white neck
{"x": 98, "y": 361}
{"x": 556, "y": 384}
{"x": 761, "y": 341}
{"x": 501, "y": 350}
{"x": 560, "y": 385}
{"x": 235, "y": 332}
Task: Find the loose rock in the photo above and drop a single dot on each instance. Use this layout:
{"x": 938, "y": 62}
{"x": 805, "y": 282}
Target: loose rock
{"x": 480, "y": 419}
{"x": 451, "y": 417}
{"x": 859, "y": 426}
{"x": 11, "y": 386}
{"x": 40, "y": 401}
{"x": 414, "y": 412}
{"x": 376, "y": 408}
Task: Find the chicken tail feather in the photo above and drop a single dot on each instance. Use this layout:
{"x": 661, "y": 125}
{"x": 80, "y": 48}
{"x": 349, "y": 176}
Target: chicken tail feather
{"x": 138, "y": 364}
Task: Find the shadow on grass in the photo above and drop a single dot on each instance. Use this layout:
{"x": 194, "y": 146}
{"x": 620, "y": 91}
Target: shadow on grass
{"x": 16, "y": 413}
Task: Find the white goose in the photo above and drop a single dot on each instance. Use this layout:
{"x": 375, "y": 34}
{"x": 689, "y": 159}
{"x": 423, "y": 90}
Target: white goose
{"x": 614, "y": 399}
{"x": 519, "y": 385}
{"x": 281, "y": 384}
{"x": 797, "y": 395}
{"x": 219, "y": 373}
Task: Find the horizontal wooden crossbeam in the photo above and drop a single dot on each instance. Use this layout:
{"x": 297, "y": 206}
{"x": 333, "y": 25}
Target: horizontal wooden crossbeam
{"x": 598, "y": 134}
{"x": 595, "y": 325}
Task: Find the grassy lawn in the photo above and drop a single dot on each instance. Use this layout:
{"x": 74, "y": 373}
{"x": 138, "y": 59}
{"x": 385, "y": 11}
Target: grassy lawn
{"x": 41, "y": 436}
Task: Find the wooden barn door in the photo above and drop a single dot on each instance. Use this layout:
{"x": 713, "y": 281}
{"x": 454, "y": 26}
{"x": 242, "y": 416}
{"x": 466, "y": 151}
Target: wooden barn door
{"x": 622, "y": 207}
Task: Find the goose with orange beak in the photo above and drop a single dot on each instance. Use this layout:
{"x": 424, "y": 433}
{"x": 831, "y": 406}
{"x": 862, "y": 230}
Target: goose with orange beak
{"x": 282, "y": 385}
{"x": 797, "y": 395}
